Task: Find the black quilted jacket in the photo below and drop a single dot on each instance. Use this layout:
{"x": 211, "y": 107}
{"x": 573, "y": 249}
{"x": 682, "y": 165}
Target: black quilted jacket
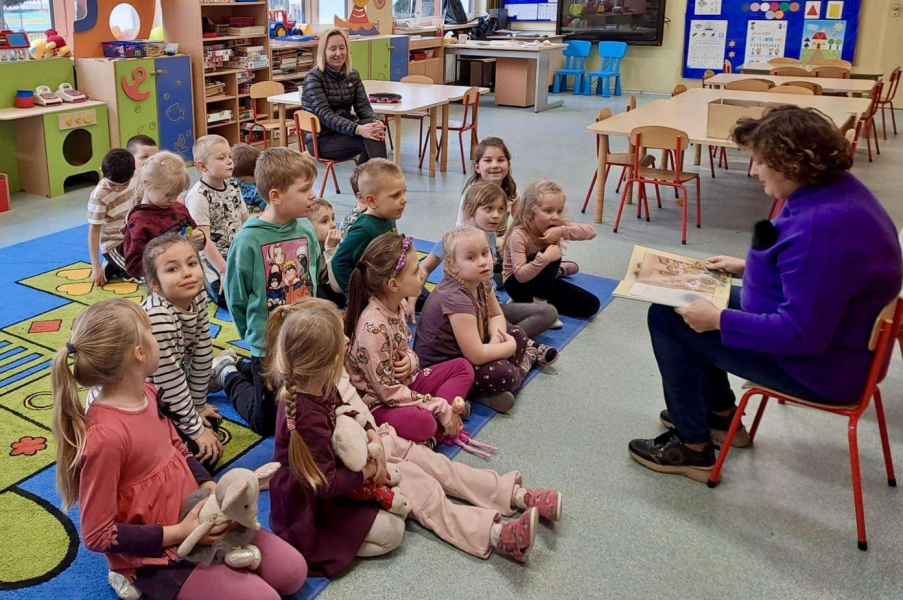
{"x": 332, "y": 96}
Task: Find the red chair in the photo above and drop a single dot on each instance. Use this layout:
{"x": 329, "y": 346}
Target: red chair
{"x": 308, "y": 123}
{"x": 471, "y": 103}
{"x": 418, "y": 115}
{"x": 667, "y": 139}
{"x": 888, "y": 101}
{"x": 884, "y": 333}
{"x": 867, "y": 127}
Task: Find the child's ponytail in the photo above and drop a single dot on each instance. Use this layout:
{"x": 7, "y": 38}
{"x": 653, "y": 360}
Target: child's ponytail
{"x": 371, "y": 274}
{"x": 102, "y": 339}
{"x": 69, "y": 427}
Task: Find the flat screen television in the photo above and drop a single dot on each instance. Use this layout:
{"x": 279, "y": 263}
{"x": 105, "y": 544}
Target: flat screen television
{"x": 639, "y": 22}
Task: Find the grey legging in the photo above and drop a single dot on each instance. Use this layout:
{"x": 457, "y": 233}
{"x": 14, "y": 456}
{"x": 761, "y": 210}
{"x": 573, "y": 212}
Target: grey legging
{"x": 532, "y": 317}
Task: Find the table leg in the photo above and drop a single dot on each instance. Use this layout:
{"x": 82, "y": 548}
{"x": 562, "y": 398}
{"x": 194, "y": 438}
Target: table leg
{"x": 541, "y": 92}
{"x": 443, "y": 151}
{"x": 600, "y": 177}
{"x": 283, "y": 129}
{"x": 433, "y": 142}
{"x": 396, "y": 120}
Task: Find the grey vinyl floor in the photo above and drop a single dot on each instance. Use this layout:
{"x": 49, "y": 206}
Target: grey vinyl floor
{"x": 780, "y": 525}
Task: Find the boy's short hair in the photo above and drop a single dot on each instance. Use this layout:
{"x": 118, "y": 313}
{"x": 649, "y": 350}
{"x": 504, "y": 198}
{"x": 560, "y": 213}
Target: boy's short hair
{"x": 278, "y": 168}
{"x": 354, "y": 180}
{"x": 203, "y": 146}
{"x": 372, "y": 170}
{"x": 244, "y": 158}
{"x": 321, "y": 203}
{"x": 139, "y": 140}
{"x": 166, "y": 173}
{"x": 118, "y": 165}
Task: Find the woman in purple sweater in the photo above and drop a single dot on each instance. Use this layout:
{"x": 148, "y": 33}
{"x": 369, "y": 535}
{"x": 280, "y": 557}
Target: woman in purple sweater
{"x": 814, "y": 281}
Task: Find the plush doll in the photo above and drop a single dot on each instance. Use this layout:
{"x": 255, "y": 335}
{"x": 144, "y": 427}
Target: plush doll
{"x": 234, "y": 501}
{"x": 54, "y": 45}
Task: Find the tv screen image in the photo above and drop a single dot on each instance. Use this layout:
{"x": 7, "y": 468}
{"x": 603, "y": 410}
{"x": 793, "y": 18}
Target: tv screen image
{"x": 631, "y": 21}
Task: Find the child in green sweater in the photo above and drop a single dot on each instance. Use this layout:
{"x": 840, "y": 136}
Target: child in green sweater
{"x": 384, "y": 191}
{"x": 272, "y": 262}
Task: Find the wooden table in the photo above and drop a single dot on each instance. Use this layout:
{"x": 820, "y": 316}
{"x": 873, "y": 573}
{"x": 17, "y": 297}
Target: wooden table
{"x": 539, "y": 52}
{"x": 415, "y": 97}
{"x": 765, "y": 69}
{"x": 828, "y": 84}
{"x": 689, "y": 113}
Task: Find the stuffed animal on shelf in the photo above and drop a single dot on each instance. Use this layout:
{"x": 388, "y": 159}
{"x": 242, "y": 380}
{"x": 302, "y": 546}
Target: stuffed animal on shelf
{"x": 52, "y": 46}
{"x": 349, "y": 441}
{"x": 234, "y": 501}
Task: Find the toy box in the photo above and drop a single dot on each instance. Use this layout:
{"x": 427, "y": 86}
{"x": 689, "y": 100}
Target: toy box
{"x": 133, "y": 49}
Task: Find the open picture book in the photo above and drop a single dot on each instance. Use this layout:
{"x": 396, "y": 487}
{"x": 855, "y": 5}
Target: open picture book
{"x": 671, "y": 279}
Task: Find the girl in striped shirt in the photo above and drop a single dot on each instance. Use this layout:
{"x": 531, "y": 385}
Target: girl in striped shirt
{"x": 177, "y": 307}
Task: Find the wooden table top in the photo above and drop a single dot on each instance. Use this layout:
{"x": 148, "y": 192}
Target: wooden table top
{"x": 855, "y": 72}
{"x": 414, "y": 96}
{"x": 14, "y": 114}
{"x": 828, "y": 84}
{"x": 689, "y": 112}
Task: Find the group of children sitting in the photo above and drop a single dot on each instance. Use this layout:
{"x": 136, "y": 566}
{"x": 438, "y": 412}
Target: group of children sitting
{"x": 149, "y": 436}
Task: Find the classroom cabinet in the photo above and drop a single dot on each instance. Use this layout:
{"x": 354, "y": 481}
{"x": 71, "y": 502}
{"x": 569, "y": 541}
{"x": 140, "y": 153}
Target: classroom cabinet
{"x": 398, "y": 52}
{"x": 360, "y": 58}
{"x": 149, "y": 96}
{"x": 384, "y": 58}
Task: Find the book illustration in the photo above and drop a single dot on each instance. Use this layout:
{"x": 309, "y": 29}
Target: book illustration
{"x": 287, "y": 267}
{"x": 672, "y": 280}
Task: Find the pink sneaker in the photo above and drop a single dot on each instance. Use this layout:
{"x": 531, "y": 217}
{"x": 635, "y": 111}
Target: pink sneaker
{"x": 516, "y": 537}
{"x": 547, "y": 502}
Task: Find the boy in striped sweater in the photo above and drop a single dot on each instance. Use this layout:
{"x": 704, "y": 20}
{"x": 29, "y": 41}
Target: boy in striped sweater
{"x": 177, "y": 307}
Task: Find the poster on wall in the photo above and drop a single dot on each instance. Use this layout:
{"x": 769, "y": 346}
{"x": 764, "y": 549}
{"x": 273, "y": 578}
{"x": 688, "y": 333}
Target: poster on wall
{"x": 835, "y": 10}
{"x": 813, "y": 9}
{"x": 822, "y": 39}
{"x": 765, "y": 40}
{"x": 706, "y": 44}
{"x": 708, "y": 7}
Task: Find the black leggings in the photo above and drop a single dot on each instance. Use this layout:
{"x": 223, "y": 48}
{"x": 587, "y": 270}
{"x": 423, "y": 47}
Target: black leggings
{"x": 569, "y": 299}
{"x": 246, "y": 389}
{"x": 339, "y": 147}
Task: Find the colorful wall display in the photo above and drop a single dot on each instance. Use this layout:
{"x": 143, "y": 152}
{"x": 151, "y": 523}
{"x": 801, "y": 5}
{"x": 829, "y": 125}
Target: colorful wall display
{"x": 758, "y": 31}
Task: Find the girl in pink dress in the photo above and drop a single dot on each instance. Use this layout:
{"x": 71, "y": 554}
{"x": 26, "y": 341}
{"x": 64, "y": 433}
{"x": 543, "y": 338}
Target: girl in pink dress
{"x": 128, "y": 469}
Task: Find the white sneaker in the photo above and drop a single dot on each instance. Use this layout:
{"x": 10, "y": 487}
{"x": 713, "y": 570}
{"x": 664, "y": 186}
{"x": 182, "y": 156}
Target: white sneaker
{"x": 557, "y": 324}
{"x": 122, "y": 586}
{"x": 220, "y": 364}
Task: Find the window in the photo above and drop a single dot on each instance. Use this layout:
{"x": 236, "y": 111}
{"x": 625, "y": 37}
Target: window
{"x": 410, "y": 9}
{"x": 294, "y": 9}
{"x": 32, "y": 16}
{"x": 328, "y": 9}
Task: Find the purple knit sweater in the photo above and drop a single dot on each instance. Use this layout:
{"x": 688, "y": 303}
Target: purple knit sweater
{"x": 811, "y": 299}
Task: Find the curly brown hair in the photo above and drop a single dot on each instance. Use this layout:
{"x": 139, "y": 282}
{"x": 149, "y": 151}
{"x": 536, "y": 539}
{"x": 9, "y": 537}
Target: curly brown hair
{"x": 801, "y": 143}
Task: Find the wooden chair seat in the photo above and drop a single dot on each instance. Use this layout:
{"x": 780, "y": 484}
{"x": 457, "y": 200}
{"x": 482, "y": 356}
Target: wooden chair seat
{"x": 666, "y": 176}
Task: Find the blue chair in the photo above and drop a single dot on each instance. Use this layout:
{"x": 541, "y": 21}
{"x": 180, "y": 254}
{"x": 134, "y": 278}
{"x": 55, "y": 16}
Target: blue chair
{"x": 574, "y": 64}
{"x": 610, "y": 54}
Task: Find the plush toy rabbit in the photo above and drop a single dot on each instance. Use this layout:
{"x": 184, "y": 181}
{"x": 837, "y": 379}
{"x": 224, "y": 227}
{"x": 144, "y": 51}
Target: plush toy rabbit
{"x": 234, "y": 501}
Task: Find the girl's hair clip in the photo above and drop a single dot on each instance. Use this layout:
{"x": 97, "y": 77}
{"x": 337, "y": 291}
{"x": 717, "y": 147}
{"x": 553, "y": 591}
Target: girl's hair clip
{"x": 406, "y": 242}
{"x": 70, "y": 348}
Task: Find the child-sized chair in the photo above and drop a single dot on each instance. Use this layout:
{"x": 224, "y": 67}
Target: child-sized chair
{"x": 575, "y": 56}
{"x": 264, "y": 125}
{"x": 611, "y": 54}
{"x": 881, "y": 343}
{"x": 309, "y": 124}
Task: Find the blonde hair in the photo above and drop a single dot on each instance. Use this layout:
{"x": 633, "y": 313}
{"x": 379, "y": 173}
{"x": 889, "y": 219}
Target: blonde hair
{"x": 307, "y": 346}
{"x": 371, "y": 171}
{"x": 100, "y": 343}
{"x": 453, "y": 238}
{"x": 279, "y": 168}
{"x": 321, "y": 49}
{"x": 165, "y": 172}
{"x": 526, "y": 206}
{"x": 483, "y": 193}
{"x": 203, "y": 146}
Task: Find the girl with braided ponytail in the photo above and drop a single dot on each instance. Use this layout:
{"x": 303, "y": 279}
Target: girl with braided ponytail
{"x": 380, "y": 361}
{"x": 309, "y": 500}
{"x": 127, "y": 468}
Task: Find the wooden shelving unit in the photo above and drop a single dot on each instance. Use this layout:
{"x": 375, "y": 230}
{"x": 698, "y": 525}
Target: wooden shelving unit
{"x": 301, "y": 55}
{"x": 182, "y": 21}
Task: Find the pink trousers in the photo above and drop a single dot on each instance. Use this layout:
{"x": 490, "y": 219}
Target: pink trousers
{"x": 429, "y": 478}
{"x": 282, "y": 572}
{"x": 444, "y": 380}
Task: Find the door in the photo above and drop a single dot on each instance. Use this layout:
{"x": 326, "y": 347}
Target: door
{"x": 175, "y": 105}
{"x": 360, "y": 58}
{"x": 379, "y": 60}
{"x": 136, "y": 97}
{"x": 398, "y": 56}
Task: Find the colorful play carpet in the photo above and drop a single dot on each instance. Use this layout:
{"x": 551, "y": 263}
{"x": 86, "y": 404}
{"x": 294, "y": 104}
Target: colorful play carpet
{"x": 45, "y": 284}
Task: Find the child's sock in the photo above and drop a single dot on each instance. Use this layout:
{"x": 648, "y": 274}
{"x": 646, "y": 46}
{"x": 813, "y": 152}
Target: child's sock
{"x": 519, "y": 498}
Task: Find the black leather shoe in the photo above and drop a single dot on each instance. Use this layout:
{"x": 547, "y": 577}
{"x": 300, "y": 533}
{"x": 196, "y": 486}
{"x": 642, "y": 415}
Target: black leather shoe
{"x": 667, "y": 454}
{"x": 718, "y": 427}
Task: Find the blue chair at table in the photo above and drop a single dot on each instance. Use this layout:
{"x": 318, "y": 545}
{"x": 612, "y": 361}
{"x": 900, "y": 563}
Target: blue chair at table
{"x": 574, "y": 64}
{"x": 610, "y": 54}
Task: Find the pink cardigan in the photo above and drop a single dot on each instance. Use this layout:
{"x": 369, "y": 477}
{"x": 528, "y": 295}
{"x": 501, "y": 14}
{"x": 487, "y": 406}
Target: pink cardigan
{"x": 521, "y": 245}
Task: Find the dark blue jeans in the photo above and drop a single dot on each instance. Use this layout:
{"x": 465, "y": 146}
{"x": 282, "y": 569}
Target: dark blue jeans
{"x": 694, "y": 368}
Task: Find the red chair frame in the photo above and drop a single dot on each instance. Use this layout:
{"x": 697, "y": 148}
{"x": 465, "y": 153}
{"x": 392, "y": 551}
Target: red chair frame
{"x": 305, "y": 123}
{"x": 888, "y": 101}
{"x": 884, "y": 334}
{"x": 471, "y": 102}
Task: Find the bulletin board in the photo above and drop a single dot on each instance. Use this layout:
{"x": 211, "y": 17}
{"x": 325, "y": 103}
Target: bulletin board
{"x": 744, "y": 31}
{"x": 532, "y": 10}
